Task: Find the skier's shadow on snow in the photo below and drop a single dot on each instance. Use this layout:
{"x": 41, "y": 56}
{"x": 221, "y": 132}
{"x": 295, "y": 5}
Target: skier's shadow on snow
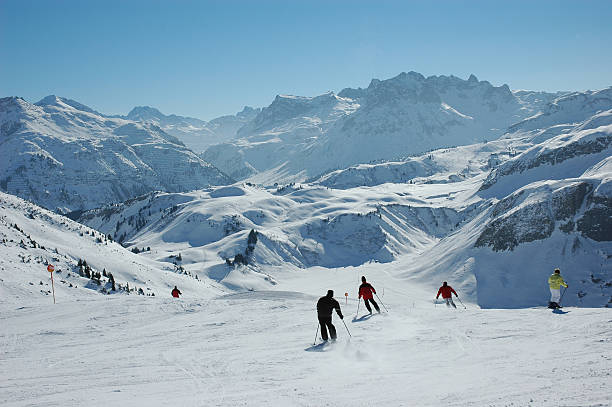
{"x": 559, "y": 311}
{"x": 362, "y": 318}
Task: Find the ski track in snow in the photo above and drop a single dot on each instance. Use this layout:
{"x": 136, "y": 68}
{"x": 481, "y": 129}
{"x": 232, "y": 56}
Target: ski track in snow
{"x": 253, "y": 349}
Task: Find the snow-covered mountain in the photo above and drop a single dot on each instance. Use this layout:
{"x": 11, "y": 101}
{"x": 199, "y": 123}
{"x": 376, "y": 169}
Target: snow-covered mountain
{"x": 281, "y": 137}
{"x": 564, "y": 113}
{"x": 457, "y": 211}
{"x": 296, "y": 138}
{"x": 65, "y": 156}
{"x": 560, "y": 157}
{"x": 194, "y": 133}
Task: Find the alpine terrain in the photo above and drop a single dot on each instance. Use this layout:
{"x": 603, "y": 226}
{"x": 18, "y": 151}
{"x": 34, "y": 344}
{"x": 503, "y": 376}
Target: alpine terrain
{"x": 185, "y": 279}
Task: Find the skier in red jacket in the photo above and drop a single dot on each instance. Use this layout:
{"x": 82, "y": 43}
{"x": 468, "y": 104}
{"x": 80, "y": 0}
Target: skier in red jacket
{"x": 176, "y": 292}
{"x": 365, "y": 291}
{"x": 446, "y": 291}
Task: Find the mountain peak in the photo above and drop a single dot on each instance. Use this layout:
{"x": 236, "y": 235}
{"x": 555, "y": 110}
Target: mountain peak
{"x": 144, "y": 113}
{"x": 48, "y": 100}
{"x": 57, "y": 101}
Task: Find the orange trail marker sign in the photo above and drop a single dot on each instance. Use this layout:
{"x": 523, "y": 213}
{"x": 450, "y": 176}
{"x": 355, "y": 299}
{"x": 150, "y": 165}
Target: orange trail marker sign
{"x": 50, "y": 269}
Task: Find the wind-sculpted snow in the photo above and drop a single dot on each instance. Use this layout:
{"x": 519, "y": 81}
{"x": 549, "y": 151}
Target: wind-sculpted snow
{"x": 296, "y": 138}
{"x": 68, "y": 159}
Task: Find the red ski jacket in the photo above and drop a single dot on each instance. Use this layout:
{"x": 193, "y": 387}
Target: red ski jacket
{"x": 175, "y": 293}
{"x": 446, "y": 292}
{"x": 366, "y": 290}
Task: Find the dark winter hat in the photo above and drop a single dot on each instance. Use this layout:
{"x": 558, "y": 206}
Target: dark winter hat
{"x": 330, "y": 293}
{"x": 363, "y": 279}
{"x": 557, "y": 271}
{"x": 444, "y": 283}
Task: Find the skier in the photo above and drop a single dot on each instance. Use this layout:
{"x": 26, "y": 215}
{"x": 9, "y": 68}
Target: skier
{"x": 176, "y": 292}
{"x": 365, "y": 291}
{"x": 446, "y": 291}
{"x": 555, "y": 281}
{"x": 325, "y": 307}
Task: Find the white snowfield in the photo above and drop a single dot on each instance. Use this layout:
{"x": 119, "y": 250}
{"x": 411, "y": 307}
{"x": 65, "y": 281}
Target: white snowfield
{"x": 255, "y": 349}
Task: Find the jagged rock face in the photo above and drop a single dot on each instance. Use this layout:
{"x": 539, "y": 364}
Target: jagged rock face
{"x": 67, "y": 159}
{"x": 533, "y": 212}
{"x": 596, "y": 223}
{"x": 300, "y": 137}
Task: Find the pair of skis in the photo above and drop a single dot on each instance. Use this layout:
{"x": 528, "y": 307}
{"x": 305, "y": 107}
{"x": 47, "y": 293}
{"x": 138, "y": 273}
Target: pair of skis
{"x": 464, "y": 307}
{"x": 371, "y": 312}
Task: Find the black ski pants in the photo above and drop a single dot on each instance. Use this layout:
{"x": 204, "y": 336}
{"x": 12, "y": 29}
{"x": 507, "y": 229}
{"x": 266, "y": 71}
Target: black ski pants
{"x": 326, "y": 322}
{"x": 367, "y": 304}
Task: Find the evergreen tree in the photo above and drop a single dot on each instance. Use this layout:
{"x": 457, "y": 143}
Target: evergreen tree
{"x": 240, "y": 259}
{"x": 252, "y": 238}
{"x": 111, "y": 278}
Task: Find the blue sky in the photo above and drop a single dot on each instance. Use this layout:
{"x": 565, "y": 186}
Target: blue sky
{"x": 209, "y": 58}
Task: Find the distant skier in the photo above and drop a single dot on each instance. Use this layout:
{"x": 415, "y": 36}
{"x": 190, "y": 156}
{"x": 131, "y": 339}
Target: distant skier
{"x": 555, "y": 281}
{"x": 325, "y": 308}
{"x": 365, "y": 291}
{"x": 176, "y": 292}
{"x": 446, "y": 291}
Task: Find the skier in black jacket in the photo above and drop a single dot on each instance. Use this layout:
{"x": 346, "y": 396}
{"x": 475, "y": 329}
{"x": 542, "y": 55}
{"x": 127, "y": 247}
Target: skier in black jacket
{"x": 325, "y": 308}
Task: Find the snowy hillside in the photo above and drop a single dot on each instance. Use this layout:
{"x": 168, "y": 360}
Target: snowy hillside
{"x": 296, "y": 138}
{"x": 64, "y": 156}
{"x": 32, "y": 237}
{"x": 194, "y": 133}
{"x": 438, "y": 166}
{"x": 255, "y": 349}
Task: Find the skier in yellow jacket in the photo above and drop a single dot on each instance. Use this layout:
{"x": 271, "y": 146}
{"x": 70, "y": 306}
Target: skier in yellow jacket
{"x": 555, "y": 281}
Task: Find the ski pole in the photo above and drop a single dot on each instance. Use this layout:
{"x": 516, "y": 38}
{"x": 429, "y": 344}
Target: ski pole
{"x": 349, "y": 332}
{"x": 435, "y": 303}
{"x": 461, "y": 302}
{"x": 562, "y": 294}
{"x": 381, "y": 302}
{"x": 317, "y": 334}
{"x": 358, "y": 307}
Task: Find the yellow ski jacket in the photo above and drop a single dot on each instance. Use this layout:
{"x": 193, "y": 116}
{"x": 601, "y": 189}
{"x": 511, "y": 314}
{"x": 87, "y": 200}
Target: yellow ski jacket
{"x": 555, "y": 281}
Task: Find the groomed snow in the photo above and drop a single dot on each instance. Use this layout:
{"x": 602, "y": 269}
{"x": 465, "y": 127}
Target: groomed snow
{"x": 255, "y": 349}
